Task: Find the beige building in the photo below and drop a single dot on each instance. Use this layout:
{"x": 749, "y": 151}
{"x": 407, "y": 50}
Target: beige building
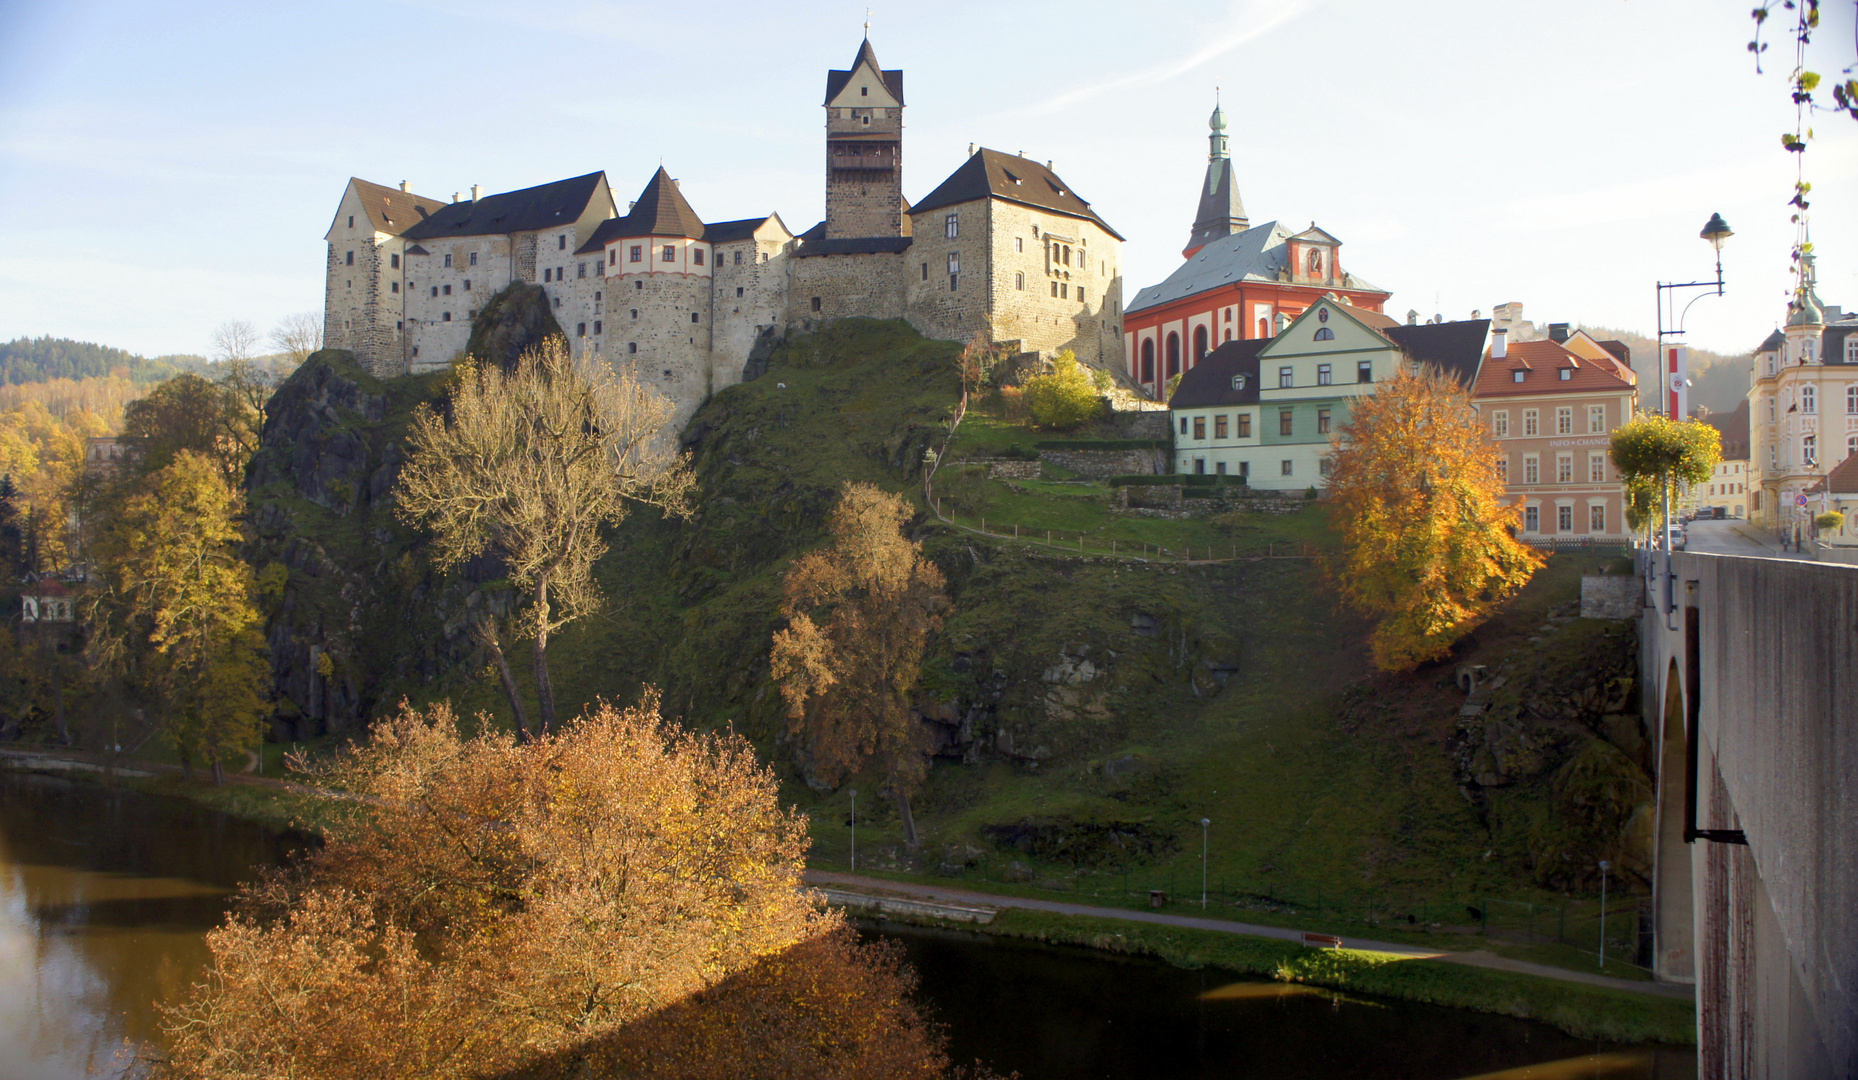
{"x": 1803, "y": 407}
{"x": 1003, "y": 247}
{"x": 1552, "y": 405}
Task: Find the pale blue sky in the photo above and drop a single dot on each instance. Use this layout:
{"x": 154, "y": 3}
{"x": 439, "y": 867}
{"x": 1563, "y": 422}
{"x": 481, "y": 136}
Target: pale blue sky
{"x": 165, "y": 167}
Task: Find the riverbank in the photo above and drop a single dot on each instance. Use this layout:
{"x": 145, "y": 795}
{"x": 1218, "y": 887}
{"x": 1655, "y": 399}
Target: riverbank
{"x": 1581, "y": 1004}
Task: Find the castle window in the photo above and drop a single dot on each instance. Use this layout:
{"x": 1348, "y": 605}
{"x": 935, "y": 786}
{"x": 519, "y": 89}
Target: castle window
{"x": 635, "y": 313}
{"x": 1019, "y": 282}
{"x": 435, "y": 290}
{"x": 612, "y": 256}
{"x": 693, "y": 316}
{"x": 599, "y": 268}
{"x": 738, "y": 292}
{"x": 638, "y": 253}
{"x": 1019, "y": 243}
{"x": 351, "y": 258}
{"x": 351, "y": 221}
{"x": 472, "y": 314}
{"x": 446, "y": 290}
{"x": 448, "y": 262}
{"x": 638, "y": 285}
{"x": 596, "y": 327}
{"x": 473, "y": 258}
{"x": 816, "y": 303}
{"x": 669, "y": 254}
{"x": 561, "y": 242}
{"x": 738, "y": 258}
{"x": 394, "y": 261}
{"x": 548, "y": 274}
{"x": 1080, "y": 294}
{"x": 396, "y": 286}
{"x": 580, "y": 329}
{"x": 696, "y": 256}
{"x": 951, "y": 226}
{"x": 467, "y": 284}
{"x": 953, "y": 281}
{"x": 445, "y": 317}
{"x": 580, "y": 270}
{"x": 632, "y": 346}
{"x": 925, "y": 271}
{"x": 1054, "y": 289}
{"x": 400, "y": 325}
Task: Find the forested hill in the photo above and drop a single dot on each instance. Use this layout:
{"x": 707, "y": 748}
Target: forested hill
{"x": 27, "y": 360}
{"x": 1721, "y": 382}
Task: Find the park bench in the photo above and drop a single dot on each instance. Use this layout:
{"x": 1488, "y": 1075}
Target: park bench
{"x": 1321, "y": 941}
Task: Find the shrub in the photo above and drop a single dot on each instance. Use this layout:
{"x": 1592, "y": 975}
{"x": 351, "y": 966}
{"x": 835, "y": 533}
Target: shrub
{"x": 1832, "y": 521}
{"x": 1065, "y": 398}
{"x": 1013, "y": 405}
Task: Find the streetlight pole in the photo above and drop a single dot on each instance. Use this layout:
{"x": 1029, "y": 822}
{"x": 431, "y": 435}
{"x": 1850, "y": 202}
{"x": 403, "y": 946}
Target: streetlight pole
{"x": 1716, "y": 230}
{"x": 1204, "y": 822}
{"x": 854, "y": 830}
{"x": 1604, "y": 867}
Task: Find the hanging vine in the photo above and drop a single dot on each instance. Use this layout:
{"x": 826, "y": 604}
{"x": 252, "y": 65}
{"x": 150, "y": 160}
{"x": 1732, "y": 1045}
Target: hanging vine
{"x": 1803, "y": 84}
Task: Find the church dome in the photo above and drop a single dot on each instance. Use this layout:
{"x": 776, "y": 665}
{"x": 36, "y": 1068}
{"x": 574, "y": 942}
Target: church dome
{"x": 1806, "y": 312}
{"x": 1217, "y": 121}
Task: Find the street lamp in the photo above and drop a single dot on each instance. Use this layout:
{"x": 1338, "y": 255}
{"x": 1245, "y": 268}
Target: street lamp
{"x": 1672, "y": 375}
{"x": 854, "y": 830}
{"x": 1604, "y": 867}
{"x": 1204, "y": 822}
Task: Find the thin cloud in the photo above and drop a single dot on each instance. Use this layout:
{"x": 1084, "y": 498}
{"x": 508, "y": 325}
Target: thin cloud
{"x": 1249, "y": 22}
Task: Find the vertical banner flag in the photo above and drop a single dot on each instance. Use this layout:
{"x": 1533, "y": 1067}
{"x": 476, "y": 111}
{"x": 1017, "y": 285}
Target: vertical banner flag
{"x": 1676, "y": 382}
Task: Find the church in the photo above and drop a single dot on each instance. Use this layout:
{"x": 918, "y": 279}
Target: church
{"x": 1003, "y": 247}
{"x": 1240, "y": 282}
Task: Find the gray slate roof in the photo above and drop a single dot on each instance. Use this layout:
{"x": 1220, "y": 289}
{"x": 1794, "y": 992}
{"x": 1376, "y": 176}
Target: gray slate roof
{"x": 1221, "y": 212}
{"x": 991, "y": 174}
{"x": 541, "y": 207}
{"x": 1455, "y": 348}
{"x": 659, "y": 211}
{"x": 1208, "y": 384}
{"x": 836, "y": 80}
{"x": 1257, "y": 254}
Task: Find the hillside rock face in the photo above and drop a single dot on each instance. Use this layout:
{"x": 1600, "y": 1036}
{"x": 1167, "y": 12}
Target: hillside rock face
{"x": 361, "y": 613}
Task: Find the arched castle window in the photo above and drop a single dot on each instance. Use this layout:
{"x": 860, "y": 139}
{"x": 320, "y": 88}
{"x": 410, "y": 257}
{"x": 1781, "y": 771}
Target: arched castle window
{"x": 1199, "y": 344}
{"x": 1174, "y": 355}
{"x": 1148, "y": 360}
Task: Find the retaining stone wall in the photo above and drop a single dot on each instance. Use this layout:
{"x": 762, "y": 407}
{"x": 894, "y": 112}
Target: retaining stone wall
{"x": 1103, "y": 464}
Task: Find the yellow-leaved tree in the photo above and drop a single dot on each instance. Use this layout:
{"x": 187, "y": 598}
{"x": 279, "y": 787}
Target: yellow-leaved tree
{"x": 175, "y": 608}
{"x": 860, "y": 611}
{"x": 1417, "y": 499}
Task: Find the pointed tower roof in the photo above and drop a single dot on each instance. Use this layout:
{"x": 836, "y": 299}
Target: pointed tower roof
{"x": 836, "y": 80}
{"x": 661, "y": 211}
{"x": 1221, "y": 212}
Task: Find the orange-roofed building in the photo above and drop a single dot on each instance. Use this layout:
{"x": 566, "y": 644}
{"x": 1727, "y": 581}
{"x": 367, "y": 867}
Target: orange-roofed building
{"x": 1552, "y": 406}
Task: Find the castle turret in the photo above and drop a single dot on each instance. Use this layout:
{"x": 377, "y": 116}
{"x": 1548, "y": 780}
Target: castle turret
{"x": 1222, "y": 212}
{"x": 864, "y": 149}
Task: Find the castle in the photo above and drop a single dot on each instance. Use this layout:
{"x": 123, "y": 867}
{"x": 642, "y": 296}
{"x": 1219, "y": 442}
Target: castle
{"x": 1002, "y": 247}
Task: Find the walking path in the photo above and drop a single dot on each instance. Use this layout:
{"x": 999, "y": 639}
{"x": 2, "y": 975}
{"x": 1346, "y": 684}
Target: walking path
{"x": 877, "y": 888}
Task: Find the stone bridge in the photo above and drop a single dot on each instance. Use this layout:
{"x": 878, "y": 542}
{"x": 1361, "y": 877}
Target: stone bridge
{"x": 1750, "y": 669}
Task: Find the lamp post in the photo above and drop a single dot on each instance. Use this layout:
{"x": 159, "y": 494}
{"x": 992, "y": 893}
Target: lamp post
{"x": 854, "y": 830}
{"x": 1204, "y": 822}
{"x": 1715, "y": 230}
{"x": 1604, "y": 867}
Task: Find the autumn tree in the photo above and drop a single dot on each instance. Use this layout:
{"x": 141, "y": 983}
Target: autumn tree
{"x": 1418, "y": 501}
{"x": 616, "y": 889}
{"x": 1654, "y": 454}
{"x": 295, "y": 337}
{"x": 1065, "y": 398}
{"x": 859, "y": 612}
{"x": 530, "y": 464}
{"x": 191, "y": 414}
{"x": 175, "y": 607}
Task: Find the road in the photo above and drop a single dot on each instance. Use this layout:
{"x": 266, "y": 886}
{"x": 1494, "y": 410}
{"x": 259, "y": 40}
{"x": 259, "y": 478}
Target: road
{"x": 1736, "y": 538}
{"x": 1479, "y": 958}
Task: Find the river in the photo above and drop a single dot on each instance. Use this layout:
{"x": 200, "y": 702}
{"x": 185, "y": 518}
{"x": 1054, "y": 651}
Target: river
{"x": 105, "y": 895}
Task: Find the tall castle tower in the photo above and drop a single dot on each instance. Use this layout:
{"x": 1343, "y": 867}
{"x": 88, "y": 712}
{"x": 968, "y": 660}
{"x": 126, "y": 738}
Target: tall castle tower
{"x": 1221, "y": 211}
{"x": 864, "y": 149}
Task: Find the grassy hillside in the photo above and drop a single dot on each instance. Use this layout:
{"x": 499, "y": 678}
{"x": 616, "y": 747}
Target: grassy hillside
{"x": 1089, "y": 711}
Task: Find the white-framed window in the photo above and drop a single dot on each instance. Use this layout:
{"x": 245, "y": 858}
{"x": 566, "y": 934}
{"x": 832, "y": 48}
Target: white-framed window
{"x": 1532, "y": 422}
{"x": 1851, "y": 445}
{"x": 1564, "y": 518}
{"x": 448, "y": 262}
{"x": 1503, "y": 468}
{"x": 1532, "y": 469}
{"x": 1809, "y": 400}
{"x": 1596, "y": 468}
{"x": 1564, "y": 420}
{"x": 1596, "y": 518}
{"x": 474, "y": 258}
{"x": 669, "y": 254}
{"x": 1500, "y": 423}
{"x": 1596, "y": 419}
{"x": 1532, "y": 519}
{"x": 1564, "y": 468}
{"x": 951, "y": 226}
{"x": 1774, "y": 461}
{"x": 1851, "y": 348}
{"x": 1325, "y": 375}
{"x": 1851, "y": 392}
{"x": 1809, "y": 449}
{"x": 1807, "y": 350}
{"x": 1517, "y": 375}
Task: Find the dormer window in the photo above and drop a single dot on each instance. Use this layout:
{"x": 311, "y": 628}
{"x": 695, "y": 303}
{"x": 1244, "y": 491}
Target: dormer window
{"x": 1567, "y": 373}
{"x": 1238, "y": 382}
{"x": 1517, "y": 375}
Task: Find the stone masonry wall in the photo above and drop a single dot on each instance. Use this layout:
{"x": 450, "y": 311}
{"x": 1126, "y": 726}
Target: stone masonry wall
{"x": 745, "y": 297}
{"x": 870, "y": 286}
{"x": 1021, "y": 239}
{"x": 651, "y": 326}
{"x": 1103, "y": 464}
{"x": 1611, "y": 596}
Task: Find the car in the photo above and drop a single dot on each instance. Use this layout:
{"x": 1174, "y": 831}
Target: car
{"x": 1674, "y": 537}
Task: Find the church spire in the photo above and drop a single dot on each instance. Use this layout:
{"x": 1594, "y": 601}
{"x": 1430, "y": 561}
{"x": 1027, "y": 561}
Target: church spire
{"x": 1221, "y": 212}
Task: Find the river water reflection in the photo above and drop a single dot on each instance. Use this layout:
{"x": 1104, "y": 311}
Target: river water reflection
{"x": 105, "y": 896}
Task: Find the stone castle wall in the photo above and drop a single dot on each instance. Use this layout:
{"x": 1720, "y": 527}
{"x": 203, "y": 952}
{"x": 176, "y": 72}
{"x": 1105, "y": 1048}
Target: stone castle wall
{"x": 821, "y": 288}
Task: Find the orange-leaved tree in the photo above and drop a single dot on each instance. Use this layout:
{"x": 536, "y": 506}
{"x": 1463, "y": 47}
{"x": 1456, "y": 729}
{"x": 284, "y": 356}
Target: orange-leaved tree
{"x": 860, "y": 611}
{"x": 1419, "y": 503}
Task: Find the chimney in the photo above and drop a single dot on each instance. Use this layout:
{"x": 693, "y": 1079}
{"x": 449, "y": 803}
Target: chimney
{"x": 404, "y": 186}
{"x": 1477, "y": 313}
{"x": 970, "y": 149}
{"x": 1412, "y": 317}
{"x": 1558, "y": 331}
{"x": 1499, "y": 343}
{"x": 477, "y": 192}
{"x": 456, "y": 197}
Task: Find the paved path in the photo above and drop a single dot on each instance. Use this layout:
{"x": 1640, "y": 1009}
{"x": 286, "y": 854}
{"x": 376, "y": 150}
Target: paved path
{"x": 1480, "y": 958}
{"x": 1732, "y": 537}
